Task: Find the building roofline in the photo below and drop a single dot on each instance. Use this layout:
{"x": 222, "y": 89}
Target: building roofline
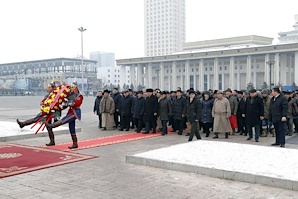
{"x": 47, "y": 60}
{"x": 209, "y": 53}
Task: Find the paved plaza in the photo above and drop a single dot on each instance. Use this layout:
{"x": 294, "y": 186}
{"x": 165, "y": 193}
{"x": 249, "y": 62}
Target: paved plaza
{"x": 109, "y": 176}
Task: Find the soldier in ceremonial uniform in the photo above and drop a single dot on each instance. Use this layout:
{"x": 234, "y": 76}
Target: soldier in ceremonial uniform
{"x": 75, "y": 101}
{"x": 51, "y": 87}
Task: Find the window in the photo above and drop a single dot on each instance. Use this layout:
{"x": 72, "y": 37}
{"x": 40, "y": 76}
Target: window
{"x": 108, "y": 75}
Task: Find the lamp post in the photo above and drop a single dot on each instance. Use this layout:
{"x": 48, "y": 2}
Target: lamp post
{"x": 81, "y": 29}
{"x": 271, "y": 63}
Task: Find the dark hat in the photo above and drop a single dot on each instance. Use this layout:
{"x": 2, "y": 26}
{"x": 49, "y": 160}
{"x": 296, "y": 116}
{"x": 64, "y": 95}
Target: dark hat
{"x": 116, "y": 88}
{"x": 158, "y": 91}
{"x": 229, "y": 90}
{"x": 206, "y": 93}
{"x": 240, "y": 92}
{"x": 106, "y": 91}
{"x": 265, "y": 91}
{"x": 287, "y": 92}
{"x": 192, "y": 91}
{"x": 163, "y": 93}
{"x": 125, "y": 91}
{"x": 129, "y": 90}
{"x": 139, "y": 92}
{"x": 150, "y": 90}
{"x": 276, "y": 88}
{"x": 215, "y": 91}
{"x": 173, "y": 92}
{"x": 180, "y": 91}
{"x": 252, "y": 90}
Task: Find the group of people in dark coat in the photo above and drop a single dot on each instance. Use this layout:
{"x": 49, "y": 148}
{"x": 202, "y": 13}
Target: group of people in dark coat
{"x": 156, "y": 110}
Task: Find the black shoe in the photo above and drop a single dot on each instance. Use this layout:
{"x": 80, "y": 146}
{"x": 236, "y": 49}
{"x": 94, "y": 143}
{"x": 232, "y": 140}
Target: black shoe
{"x": 120, "y": 129}
{"x": 241, "y": 133}
{"x": 215, "y": 137}
{"x": 245, "y": 134}
{"x": 207, "y": 135}
{"x": 146, "y": 133}
{"x": 282, "y": 145}
{"x": 138, "y": 131}
{"x": 248, "y": 138}
{"x": 226, "y": 135}
{"x": 179, "y": 133}
{"x": 162, "y": 133}
{"x": 153, "y": 132}
{"x": 104, "y": 128}
{"x": 187, "y": 134}
{"x": 275, "y": 144}
{"x": 199, "y": 138}
{"x": 127, "y": 130}
{"x": 257, "y": 140}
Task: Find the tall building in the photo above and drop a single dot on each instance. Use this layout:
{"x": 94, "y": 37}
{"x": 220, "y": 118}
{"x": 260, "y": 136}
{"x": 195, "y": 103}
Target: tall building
{"x": 290, "y": 36}
{"x": 104, "y": 59}
{"x": 164, "y": 27}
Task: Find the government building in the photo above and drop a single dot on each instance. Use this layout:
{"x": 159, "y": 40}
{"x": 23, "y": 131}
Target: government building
{"x": 217, "y": 64}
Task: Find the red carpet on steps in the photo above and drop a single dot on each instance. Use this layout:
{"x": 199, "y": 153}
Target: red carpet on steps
{"x": 103, "y": 141}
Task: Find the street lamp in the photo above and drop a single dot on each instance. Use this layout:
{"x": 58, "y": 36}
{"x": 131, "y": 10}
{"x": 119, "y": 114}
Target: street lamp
{"x": 81, "y": 29}
{"x": 271, "y": 63}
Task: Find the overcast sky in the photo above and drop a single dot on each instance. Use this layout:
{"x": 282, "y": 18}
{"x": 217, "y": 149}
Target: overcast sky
{"x": 40, "y": 29}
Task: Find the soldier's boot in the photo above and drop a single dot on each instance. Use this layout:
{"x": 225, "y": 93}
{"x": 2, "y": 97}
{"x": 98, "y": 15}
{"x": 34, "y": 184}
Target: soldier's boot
{"x": 52, "y": 138}
{"x": 54, "y": 125}
{"x": 273, "y": 132}
{"x": 226, "y": 135}
{"x": 264, "y": 133}
{"x": 74, "y": 142}
{"x": 25, "y": 123}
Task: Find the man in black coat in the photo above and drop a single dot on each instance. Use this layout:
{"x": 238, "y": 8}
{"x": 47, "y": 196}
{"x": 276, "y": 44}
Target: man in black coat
{"x": 117, "y": 100}
{"x": 278, "y": 115}
{"x": 96, "y": 108}
{"x": 179, "y": 111}
{"x": 253, "y": 113}
{"x": 240, "y": 119}
{"x": 193, "y": 113}
{"x": 125, "y": 111}
{"x": 151, "y": 108}
{"x": 138, "y": 109}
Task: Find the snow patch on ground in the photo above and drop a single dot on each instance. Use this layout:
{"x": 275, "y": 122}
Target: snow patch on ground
{"x": 12, "y": 129}
{"x": 244, "y": 158}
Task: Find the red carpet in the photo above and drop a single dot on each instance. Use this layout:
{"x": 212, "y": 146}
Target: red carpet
{"x": 17, "y": 159}
{"x": 103, "y": 141}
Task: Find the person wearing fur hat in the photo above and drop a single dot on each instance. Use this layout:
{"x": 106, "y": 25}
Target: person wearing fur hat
{"x": 193, "y": 113}
{"x": 75, "y": 101}
{"x": 164, "y": 112}
{"x": 138, "y": 110}
{"x": 107, "y": 109}
{"x": 50, "y": 88}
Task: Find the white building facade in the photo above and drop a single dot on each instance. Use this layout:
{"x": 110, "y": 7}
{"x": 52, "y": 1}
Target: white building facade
{"x": 164, "y": 28}
{"x": 229, "y": 67}
{"x": 290, "y": 36}
{"x": 111, "y": 75}
{"x": 104, "y": 59}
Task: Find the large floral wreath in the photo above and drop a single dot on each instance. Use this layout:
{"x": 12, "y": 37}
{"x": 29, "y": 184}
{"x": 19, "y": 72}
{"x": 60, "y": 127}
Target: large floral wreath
{"x": 53, "y": 104}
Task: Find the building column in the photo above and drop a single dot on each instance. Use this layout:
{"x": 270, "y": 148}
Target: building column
{"x": 161, "y": 76}
{"x": 139, "y": 75}
{"x": 232, "y": 73}
{"x": 122, "y": 75}
{"x": 276, "y": 69}
{"x": 215, "y": 79}
{"x": 284, "y": 69}
{"x": 267, "y": 70}
{"x": 149, "y": 75}
{"x": 255, "y": 72}
{"x": 238, "y": 75}
{"x": 201, "y": 75}
{"x": 187, "y": 75}
{"x": 132, "y": 75}
{"x": 174, "y": 76}
{"x": 248, "y": 70}
{"x": 296, "y": 66}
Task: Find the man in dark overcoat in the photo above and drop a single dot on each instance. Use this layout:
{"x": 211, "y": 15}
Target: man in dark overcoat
{"x": 151, "y": 108}
{"x": 193, "y": 113}
{"x": 117, "y": 100}
{"x": 96, "y": 108}
{"x": 253, "y": 113}
{"x": 278, "y": 115}
{"x": 125, "y": 111}
{"x": 138, "y": 109}
{"x": 179, "y": 111}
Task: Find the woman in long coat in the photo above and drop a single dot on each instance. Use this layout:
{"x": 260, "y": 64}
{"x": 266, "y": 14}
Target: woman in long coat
{"x": 221, "y": 112}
